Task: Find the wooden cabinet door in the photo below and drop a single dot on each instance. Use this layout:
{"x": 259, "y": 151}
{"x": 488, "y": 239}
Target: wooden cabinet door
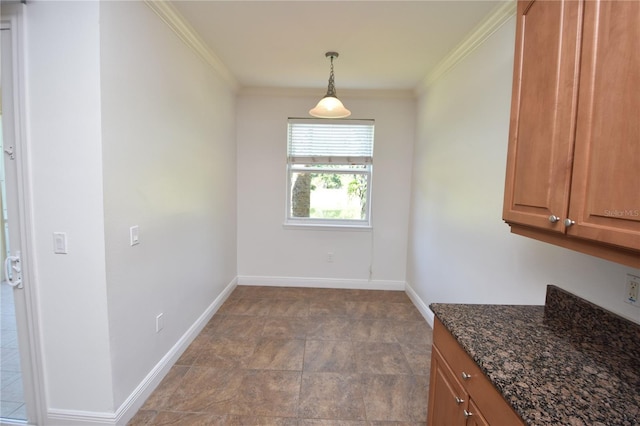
{"x": 605, "y": 193}
{"x": 543, "y": 110}
{"x": 447, "y": 398}
{"x": 475, "y": 417}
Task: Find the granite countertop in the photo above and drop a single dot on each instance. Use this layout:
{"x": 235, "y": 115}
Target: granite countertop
{"x": 566, "y": 363}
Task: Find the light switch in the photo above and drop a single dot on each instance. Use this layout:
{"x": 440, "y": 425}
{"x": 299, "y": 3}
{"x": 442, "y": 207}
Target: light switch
{"x": 134, "y": 235}
{"x": 60, "y": 242}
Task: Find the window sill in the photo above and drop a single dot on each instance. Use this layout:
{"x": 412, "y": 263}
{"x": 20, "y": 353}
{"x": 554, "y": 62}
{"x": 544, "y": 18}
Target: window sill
{"x": 327, "y": 227}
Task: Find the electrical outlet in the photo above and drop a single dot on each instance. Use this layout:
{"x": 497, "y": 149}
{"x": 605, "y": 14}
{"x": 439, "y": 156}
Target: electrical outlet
{"x": 330, "y": 257}
{"x": 632, "y": 288}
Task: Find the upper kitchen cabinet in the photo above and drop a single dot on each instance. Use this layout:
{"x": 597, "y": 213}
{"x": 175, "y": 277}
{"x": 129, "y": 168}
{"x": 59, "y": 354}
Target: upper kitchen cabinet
{"x": 573, "y": 165}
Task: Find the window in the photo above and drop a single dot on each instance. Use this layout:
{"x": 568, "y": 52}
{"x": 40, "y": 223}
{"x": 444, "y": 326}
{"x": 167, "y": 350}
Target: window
{"x": 329, "y": 166}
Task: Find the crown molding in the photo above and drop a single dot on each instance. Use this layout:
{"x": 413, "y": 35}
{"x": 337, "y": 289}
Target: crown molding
{"x": 174, "y": 20}
{"x": 500, "y": 14}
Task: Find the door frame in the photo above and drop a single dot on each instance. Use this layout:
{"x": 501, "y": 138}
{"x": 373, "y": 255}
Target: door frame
{"x": 13, "y": 17}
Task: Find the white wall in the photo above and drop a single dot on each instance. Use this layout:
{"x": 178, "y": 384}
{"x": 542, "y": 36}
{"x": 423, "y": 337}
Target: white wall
{"x": 126, "y": 126}
{"x": 269, "y": 253}
{"x": 460, "y": 250}
{"x": 169, "y": 166}
{"x": 64, "y": 141}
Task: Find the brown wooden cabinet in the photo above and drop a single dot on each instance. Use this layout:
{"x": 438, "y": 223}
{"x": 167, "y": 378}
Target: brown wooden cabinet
{"x": 573, "y": 166}
{"x": 459, "y": 393}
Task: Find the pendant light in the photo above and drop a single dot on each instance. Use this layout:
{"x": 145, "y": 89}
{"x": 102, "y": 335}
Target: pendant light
{"x": 330, "y": 106}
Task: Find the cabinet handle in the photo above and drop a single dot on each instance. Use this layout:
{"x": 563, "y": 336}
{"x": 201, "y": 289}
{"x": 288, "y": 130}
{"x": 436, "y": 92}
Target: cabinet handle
{"x": 553, "y": 218}
{"x": 459, "y": 400}
{"x": 568, "y": 222}
{"x": 466, "y": 376}
{"x": 467, "y": 414}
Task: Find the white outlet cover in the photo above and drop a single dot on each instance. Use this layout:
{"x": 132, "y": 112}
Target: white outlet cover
{"x": 631, "y": 281}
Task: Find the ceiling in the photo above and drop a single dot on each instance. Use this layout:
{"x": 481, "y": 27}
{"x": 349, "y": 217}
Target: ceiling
{"x": 383, "y": 45}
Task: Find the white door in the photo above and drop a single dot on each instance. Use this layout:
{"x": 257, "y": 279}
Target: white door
{"x": 19, "y": 369}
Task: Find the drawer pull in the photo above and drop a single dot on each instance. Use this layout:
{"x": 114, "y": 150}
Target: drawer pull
{"x": 459, "y": 400}
{"x": 466, "y": 376}
{"x": 467, "y": 414}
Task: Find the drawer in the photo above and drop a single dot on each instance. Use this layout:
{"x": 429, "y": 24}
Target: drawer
{"x": 459, "y": 361}
{"x": 488, "y": 399}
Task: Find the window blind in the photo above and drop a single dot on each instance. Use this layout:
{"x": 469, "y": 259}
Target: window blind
{"x": 330, "y": 141}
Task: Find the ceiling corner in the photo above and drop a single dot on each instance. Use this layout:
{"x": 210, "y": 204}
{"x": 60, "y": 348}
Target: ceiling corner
{"x": 494, "y": 20}
{"x": 174, "y": 20}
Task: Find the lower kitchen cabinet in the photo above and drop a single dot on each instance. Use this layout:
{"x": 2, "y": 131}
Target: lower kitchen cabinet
{"x": 459, "y": 393}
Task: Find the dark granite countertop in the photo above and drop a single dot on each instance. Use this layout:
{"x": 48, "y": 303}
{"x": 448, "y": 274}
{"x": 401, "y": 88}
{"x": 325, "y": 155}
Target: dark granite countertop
{"x": 566, "y": 363}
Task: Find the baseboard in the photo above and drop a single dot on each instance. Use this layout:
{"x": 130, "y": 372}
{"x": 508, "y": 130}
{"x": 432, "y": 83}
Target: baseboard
{"x": 76, "y": 417}
{"x": 135, "y": 400}
{"x": 417, "y": 301}
{"x": 129, "y": 408}
{"x": 321, "y": 282}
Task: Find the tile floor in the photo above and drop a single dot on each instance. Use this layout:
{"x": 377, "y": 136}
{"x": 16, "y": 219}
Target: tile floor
{"x": 11, "y": 394}
{"x": 299, "y": 356}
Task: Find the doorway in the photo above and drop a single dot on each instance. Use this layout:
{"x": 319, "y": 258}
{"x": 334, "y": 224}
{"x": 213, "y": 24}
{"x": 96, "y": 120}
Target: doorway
{"x": 18, "y": 393}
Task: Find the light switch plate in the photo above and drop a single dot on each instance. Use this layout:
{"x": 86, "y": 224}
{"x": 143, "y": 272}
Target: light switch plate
{"x": 134, "y": 235}
{"x": 60, "y": 243}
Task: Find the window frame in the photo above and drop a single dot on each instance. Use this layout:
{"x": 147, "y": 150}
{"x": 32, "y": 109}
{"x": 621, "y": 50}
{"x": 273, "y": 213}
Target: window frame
{"x": 293, "y": 167}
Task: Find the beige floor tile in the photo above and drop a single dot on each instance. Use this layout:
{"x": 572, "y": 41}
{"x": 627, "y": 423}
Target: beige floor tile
{"x": 286, "y": 356}
{"x": 199, "y": 345}
{"x": 163, "y": 393}
{"x": 259, "y": 421}
{"x": 268, "y": 394}
{"x": 329, "y": 356}
{"x": 214, "y": 325}
{"x": 380, "y": 358}
{"x": 207, "y": 390}
{"x": 240, "y": 326}
{"x": 277, "y": 354}
{"x": 395, "y": 397}
{"x": 329, "y": 329}
{"x": 227, "y": 306}
{"x": 187, "y": 419}
{"x": 322, "y": 422}
{"x": 289, "y": 308}
{"x": 253, "y": 307}
{"x": 331, "y": 396}
{"x": 142, "y": 418}
{"x": 285, "y": 328}
{"x": 327, "y": 308}
{"x": 373, "y": 331}
{"x": 420, "y": 362}
{"x": 224, "y": 351}
{"x": 289, "y": 293}
{"x": 414, "y": 332}
{"x": 402, "y": 312}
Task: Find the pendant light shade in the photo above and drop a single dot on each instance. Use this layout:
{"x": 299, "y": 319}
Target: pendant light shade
{"x": 330, "y": 106}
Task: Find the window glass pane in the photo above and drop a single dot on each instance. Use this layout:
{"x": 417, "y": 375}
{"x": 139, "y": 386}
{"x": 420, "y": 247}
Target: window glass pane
{"x": 329, "y": 166}
{"x": 325, "y": 195}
